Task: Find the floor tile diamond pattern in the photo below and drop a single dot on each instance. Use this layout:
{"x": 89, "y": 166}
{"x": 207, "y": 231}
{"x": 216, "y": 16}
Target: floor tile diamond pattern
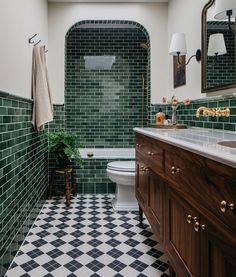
{"x": 88, "y": 239}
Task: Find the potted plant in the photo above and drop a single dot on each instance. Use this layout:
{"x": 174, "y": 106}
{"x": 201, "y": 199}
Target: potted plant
{"x": 65, "y": 146}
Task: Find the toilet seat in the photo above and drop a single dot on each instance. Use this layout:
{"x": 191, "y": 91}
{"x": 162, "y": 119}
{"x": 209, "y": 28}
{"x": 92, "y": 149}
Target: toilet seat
{"x": 123, "y": 166}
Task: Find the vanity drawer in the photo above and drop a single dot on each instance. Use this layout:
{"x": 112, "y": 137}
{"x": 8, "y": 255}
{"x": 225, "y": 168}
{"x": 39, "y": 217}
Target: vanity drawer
{"x": 182, "y": 170}
{"x": 151, "y": 151}
{"x": 204, "y": 183}
{"x": 219, "y": 192}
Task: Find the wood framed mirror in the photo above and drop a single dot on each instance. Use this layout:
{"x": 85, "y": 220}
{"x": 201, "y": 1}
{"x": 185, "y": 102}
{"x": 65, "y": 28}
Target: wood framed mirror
{"x": 218, "y": 72}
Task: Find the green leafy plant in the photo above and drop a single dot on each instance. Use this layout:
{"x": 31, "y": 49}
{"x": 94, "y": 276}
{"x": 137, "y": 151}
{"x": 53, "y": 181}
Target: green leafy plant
{"x": 66, "y": 146}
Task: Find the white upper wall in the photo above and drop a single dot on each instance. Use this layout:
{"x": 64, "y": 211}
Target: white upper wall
{"x": 153, "y": 16}
{"x": 184, "y": 16}
{"x": 19, "y": 21}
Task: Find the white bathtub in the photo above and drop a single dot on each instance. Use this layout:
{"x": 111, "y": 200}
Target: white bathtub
{"x": 107, "y": 153}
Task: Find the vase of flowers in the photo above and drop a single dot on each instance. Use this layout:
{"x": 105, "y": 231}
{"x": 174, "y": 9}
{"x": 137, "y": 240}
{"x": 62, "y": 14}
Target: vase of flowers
{"x": 174, "y": 105}
{"x": 174, "y": 115}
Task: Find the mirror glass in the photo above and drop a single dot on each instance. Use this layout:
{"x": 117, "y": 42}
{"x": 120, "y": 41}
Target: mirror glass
{"x": 218, "y": 72}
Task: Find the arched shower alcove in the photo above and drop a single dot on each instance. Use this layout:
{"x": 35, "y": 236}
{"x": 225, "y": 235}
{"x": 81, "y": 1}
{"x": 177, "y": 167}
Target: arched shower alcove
{"x": 107, "y": 73}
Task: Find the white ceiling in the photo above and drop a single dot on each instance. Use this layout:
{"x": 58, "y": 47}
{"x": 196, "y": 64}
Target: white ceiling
{"x": 107, "y": 1}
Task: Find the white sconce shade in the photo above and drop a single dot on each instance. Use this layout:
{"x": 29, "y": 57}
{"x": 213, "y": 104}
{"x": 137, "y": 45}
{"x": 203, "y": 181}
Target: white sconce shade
{"x": 221, "y": 8}
{"x": 216, "y": 46}
{"x": 178, "y": 45}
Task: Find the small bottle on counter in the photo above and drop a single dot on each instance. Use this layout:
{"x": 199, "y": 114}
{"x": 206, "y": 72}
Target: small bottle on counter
{"x": 160, "y": 117}
{"x": 167, "y": 120}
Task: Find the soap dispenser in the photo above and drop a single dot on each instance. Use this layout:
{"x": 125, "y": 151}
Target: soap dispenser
{"x": 160, "y": 117}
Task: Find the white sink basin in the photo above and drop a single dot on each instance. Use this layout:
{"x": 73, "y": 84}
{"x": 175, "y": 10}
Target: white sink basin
{"x": 228, "y": 143}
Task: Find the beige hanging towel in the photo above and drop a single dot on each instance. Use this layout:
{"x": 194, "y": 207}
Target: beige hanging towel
{"x": 42, "y": 100}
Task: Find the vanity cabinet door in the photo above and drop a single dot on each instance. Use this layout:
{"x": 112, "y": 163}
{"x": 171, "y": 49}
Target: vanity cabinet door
{"x": 141, "y": 187}
{"x": 155, "y": 211}
{"x": 218, "y": 253}
{"x": 182, "y": 243}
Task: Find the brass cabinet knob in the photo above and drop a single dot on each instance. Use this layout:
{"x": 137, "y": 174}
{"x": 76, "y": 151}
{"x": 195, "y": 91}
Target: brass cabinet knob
{"x": 150, "y": 153}
{"x": 224, "y": 206}
{"x": 175, "y": 170}
{"x": 144, "y": 169}
{"x": 191, "y": 218}
{"x": 198, "y": 226}
{"x": 138, "y": 145}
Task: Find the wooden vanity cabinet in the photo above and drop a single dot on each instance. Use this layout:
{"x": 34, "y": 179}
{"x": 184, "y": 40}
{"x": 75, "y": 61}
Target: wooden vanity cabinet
{"x": 181, "y": 194}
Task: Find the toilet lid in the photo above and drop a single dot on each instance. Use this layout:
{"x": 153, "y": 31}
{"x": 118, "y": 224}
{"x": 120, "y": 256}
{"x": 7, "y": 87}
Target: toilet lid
{"x": 127, "y": 166}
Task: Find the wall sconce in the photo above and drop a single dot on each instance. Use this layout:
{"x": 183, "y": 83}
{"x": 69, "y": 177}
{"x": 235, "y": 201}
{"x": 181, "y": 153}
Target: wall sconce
{"x": 216, "y": 45}
{"x": 225, "y": 9}
{"x": 178, "y": 48}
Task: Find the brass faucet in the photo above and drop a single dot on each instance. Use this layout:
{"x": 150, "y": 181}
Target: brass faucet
{"x": 213, "y": 112}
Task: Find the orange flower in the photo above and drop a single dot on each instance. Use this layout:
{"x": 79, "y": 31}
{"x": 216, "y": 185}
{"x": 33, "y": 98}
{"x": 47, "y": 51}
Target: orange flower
{"x": 186, "y": 101}
{"x": 175, "y": 102}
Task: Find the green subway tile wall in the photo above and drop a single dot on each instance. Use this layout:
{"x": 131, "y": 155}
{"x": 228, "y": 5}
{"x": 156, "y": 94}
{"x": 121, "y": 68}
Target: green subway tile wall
{"x": 105, "y": 104}
{"x": 93, "y": 177}
{"x": 23, "y": 174}
{"x": 58, "y": 118}
{"x": 187, "y": 114}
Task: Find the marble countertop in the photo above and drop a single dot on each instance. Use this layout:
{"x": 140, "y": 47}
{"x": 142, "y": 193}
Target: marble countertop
{"x": 197, "y": 140}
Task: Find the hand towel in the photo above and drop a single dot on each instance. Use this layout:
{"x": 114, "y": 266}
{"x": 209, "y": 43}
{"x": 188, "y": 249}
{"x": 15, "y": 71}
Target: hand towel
{"x": 42, "y": 100}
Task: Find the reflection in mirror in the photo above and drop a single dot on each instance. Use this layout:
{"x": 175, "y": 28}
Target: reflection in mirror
{"x": 218, "y": 45}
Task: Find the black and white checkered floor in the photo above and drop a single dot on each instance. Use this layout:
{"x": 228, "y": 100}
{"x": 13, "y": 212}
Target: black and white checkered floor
{"x": 88, "y": 239}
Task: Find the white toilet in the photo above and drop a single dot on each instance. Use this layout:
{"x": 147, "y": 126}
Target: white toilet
{"x": 123, "y": 174}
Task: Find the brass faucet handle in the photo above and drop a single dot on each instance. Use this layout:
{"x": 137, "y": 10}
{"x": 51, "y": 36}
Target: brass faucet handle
{"x": 227, "y": 112}
{"x": 213, "y": 112}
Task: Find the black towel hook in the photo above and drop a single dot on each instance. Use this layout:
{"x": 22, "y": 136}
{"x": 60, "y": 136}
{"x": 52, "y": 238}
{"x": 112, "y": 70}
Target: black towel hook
{"x": 30, "y": 39}
{"x": 37, "y": 42}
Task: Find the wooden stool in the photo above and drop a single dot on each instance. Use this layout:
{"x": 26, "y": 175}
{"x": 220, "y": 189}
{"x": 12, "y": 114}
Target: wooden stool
{"x": 67, "y": 172}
